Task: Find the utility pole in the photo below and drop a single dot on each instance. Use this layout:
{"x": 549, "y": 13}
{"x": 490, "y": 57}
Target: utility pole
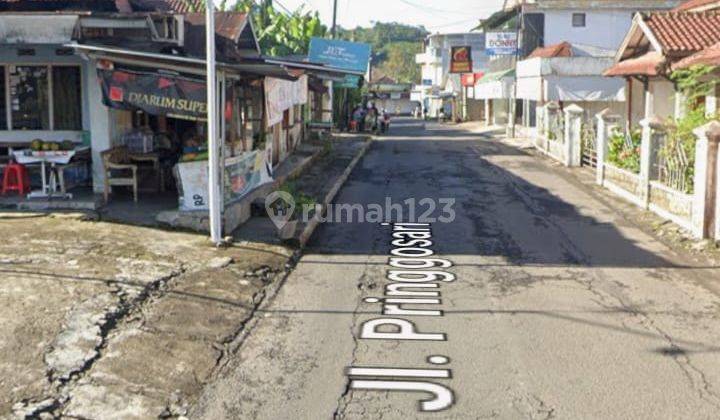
{"x": 334, "y": 22}
{"x": 214, "y": 151}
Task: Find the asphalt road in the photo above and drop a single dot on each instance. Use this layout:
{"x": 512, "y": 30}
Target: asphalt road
{"x": 560, "y": 307}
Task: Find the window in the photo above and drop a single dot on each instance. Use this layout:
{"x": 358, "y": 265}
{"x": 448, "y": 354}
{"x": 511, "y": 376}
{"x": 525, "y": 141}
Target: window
{"x": 66, "y": 98}
{"x": 578, "y": 20}
{"x": 29, "y": 98}
{"x": 3, "y": 102}
{"x": 40, "y": 97}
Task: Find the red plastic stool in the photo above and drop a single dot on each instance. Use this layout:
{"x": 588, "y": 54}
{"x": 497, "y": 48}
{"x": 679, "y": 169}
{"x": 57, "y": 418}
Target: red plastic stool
{"x": 16, "y": 178}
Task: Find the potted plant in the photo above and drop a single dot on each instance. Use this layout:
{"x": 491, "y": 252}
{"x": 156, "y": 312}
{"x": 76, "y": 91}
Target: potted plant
{"x": 287, "y": 208}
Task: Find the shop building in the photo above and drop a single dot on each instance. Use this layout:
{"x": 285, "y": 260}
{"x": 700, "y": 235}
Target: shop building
{"x": 439, "y": 89}
{"x": 564, "y": 47}
{"x": 386, "y": 93}
{"x": 127, "y": 90}
{"x": 655, "y": 46}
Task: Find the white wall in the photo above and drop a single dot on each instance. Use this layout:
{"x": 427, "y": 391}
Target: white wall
{"x": 603, "y": 28}
{"x": 663, "y": 98}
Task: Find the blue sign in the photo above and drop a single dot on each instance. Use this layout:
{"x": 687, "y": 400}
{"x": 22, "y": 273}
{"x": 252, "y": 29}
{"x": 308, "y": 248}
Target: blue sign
{"x": 341, "y": 54}
{"x": 427, "y": 82}
{"x": 350, "y": 82}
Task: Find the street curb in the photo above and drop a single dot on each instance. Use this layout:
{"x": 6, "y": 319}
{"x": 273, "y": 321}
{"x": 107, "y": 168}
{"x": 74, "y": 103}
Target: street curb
{"x": 315, "y": 222}
{"x": 266, "y": 296}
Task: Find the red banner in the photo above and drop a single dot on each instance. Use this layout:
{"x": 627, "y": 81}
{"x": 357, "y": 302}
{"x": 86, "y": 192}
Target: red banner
{"x": 470, "y": 79}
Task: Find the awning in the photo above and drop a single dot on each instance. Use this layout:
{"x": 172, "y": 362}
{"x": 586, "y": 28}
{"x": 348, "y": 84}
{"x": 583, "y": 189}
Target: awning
{"x": 648, "y": 64}
{"x": 495, "y": 85}
{"x": 584, "y": 89}
{"x": 496, "y": 76}
{"x": 257, "y": 66}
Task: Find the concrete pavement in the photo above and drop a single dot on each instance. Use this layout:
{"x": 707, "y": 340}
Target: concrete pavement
{"x": 560, "y": 307}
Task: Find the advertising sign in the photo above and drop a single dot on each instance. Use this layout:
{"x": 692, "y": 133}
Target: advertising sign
{"x": 245, "y": 173}
{"x": 156, "y": 94}
{"x": 501, "y": 43}
{"x": 341, "y": 54}
{"x": 427, "y": 82}
{"x": 351, "y": 82}
{"x": 460, "y": 60}
{"x": 469, "y": 79}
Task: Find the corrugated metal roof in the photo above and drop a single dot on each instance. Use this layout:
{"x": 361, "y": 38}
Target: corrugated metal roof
{"x": 172, "y": 6}
{"x": 58, "y": 6}
{"x": 177, "y": 6}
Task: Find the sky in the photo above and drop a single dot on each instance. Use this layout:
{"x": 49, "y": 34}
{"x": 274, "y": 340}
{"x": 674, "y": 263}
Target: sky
{"x": 443, "y": 16}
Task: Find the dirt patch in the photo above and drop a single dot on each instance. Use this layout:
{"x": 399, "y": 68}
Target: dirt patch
{"x": 113, "y": 318}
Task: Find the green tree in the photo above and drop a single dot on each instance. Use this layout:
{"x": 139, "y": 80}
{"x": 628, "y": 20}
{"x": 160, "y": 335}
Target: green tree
{"x": 400, "y": 62}
{"x": 394, "y": 46}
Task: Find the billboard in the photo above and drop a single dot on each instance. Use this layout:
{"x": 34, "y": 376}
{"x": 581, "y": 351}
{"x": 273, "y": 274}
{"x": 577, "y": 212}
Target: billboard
{"x": 156, "y": 94}
{"x": 501, "y": 43}
{"x": 341, "y": 54}
{"x": 461, "y": 60}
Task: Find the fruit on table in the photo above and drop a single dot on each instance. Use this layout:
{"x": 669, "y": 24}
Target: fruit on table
{"x": 67, "y": 145}
{"x": 36, "y": 145}
{"x": 46, "y": 146}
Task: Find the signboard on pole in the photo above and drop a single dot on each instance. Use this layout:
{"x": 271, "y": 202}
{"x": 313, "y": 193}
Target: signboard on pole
{"x": 341, "y": 54}
{"x": 461, "y": 59}
{"x": 350, "y": 81}
{"x": 469, "y": 79}
{"x": 501, "y": 43}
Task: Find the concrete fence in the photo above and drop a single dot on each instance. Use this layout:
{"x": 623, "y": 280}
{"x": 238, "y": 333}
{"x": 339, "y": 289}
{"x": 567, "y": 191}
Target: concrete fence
{"x": 559, "y": 133}
{"x": 668, "y": 183}
{"x": 694, "y": 207}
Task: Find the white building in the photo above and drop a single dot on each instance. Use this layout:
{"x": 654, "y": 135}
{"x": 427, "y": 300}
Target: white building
{"x": 577, "y": 41}
{"x": 437, "y": 87}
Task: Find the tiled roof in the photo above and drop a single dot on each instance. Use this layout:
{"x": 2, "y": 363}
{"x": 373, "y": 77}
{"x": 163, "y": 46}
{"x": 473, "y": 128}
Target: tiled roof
{"x": 698, "y": 5}
{"x": 563, "y": 49}
{"x": 709, "y": 57}
{"x": 646, "y": 65}
{"x": 687, "y": 32}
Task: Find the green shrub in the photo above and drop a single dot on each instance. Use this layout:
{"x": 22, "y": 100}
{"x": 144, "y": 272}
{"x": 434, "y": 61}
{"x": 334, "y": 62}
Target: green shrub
{"x": 624, "y": 150}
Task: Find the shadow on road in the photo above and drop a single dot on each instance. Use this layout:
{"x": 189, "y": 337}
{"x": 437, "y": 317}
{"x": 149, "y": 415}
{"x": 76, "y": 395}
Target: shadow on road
{"x": 499, "y": 213}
